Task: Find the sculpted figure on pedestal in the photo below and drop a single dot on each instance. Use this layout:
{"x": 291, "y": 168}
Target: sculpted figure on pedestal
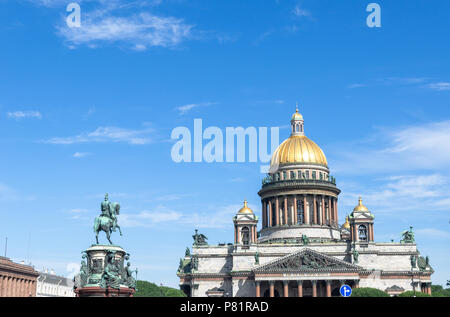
{"x": 199, "y": 239}
{"x": 111, "y": 275}
{"x": 107, "y": 221}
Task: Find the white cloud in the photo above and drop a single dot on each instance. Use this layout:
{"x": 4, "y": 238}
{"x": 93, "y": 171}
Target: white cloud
{"x": 214, "y": 217}
{"x": 424, "y": 145}
{"x": 72, "y": 269}
{"x": 107, "y": 134}
{"x": 78, "y": 210}
{"x": 434, "y": 233}
{"x": 404, "y": 149}
{"x": 403, "y": 193}
{"x": 186, "y": 108}
{"x": 353, "y": 86}
{"x": 80, "y": 154}
{"x": 7, "y": 193}
{"x": 298, "y": 11}
{"x": 110, "y": 24}
{"x": 24, "y": 114}
{"x": 219, "y": 217}
{"x": 419, "y": 152}
{"x": 146, "y": 218}
{"x": 439, "y": 86}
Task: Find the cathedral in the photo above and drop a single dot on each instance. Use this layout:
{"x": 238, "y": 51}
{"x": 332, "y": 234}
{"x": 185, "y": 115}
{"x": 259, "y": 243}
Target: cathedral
{"x": 301, "y": 250}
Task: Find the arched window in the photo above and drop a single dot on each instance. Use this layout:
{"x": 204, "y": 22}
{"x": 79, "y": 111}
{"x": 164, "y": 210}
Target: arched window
{"x": 362, "y": 232}
{"x": 245, "y": 236}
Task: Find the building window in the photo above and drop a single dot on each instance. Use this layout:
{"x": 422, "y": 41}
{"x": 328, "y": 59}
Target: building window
{"x": 314, "y": 175}
{"x": 292, "y": 175}
{"x": 307, "y": 174}
{"x": 284, "y": 175}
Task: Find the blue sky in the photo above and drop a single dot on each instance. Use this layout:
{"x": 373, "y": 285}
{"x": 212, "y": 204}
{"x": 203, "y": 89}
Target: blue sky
{"x": 90, "y": 110}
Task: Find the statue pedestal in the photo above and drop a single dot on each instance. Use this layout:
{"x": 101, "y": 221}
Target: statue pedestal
{"x": 104, "y": 273}
{"x": 97, "y": 291}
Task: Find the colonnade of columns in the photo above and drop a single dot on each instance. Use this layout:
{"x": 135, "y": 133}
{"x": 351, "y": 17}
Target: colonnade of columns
{"x": 11, "y": 286}
{"x": 315, "y": 289}
{"x": 299, "y": 209}
{"x": 425, "y": 288}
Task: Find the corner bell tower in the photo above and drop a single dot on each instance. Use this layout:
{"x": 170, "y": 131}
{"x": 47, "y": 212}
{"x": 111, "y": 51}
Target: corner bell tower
{"x": 361, "y": 224}
{"x": 245, "y": 223}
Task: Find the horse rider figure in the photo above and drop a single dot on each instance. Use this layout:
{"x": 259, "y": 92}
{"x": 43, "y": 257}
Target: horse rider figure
{"x": 107, "y": 221}
{"x": 108, "y": 210}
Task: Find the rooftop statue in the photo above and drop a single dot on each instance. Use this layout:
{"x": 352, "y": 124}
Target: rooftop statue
{"x": 408, "y": 236}
{"x": 305, "y": 239}
{"x": 107, "y": 221}
{"x": 257, "y": 258}
{"x": 355, "y": 255}
{"x": 199, "y": 239}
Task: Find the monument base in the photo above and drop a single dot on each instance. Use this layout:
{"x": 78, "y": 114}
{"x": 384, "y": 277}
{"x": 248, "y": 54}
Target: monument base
{"x": 96, "y": 291}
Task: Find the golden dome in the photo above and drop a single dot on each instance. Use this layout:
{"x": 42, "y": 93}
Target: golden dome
{"x": 245, "y": 209}
{"x": 298, "y": 149}
{"x": 297, "y": 116}
{"x": 346, "y": 225}
{"x": 360, "y": 206}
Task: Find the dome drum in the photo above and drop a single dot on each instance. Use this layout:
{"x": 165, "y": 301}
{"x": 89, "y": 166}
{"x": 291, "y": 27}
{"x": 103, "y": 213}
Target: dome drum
{"x": 278, "y": 234}
{"x": 299, "y": 196}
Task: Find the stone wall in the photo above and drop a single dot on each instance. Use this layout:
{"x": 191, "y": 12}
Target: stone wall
{"x": 17, "y": 280}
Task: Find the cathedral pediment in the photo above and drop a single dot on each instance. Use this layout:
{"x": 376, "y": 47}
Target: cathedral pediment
{"x": 306, "y": 260}
{"x": 246, "y": 217}
{"x": 362, "y": 216}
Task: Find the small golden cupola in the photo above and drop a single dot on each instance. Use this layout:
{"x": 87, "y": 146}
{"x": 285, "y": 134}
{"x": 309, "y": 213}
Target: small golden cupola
{"x": 298, "y": 149}
{"x": 361, "y": 224}
{"x": 245, "y": 209}
{"x": 245, "y": 227}
{"x": 360, "y": 206}
{"x": 346, "y": 225}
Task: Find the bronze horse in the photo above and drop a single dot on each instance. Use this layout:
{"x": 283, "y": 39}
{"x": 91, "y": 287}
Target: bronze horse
{"x": 107, "y": 224}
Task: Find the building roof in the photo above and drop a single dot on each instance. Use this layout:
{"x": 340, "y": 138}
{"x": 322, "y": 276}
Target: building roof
{"x": 54, "y": 279}
{"x": 6, "y": 265}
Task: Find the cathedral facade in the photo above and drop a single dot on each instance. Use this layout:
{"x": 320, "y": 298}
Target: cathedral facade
{"x": 301, "y": 250}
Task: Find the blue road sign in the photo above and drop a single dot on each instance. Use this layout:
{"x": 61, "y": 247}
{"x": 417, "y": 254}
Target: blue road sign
{"x": 345, "y": 290}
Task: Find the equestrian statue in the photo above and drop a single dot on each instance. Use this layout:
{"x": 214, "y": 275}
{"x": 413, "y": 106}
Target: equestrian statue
{"x": 107, "y": 221}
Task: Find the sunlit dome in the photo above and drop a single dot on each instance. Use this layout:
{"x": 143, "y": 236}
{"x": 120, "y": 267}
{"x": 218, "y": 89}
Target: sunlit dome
{"x": 245, "y": 209}
{"x": 360, "y": 206}
{"x": 298, "y": 149}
